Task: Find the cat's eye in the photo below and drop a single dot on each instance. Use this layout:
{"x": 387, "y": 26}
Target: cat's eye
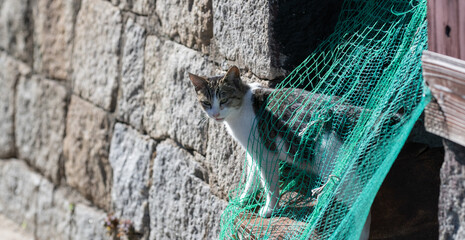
{"x": 205, "y": 103}
{"x": 223, "y": 101}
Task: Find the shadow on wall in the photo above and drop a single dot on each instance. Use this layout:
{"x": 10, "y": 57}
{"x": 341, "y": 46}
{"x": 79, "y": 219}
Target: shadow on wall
{"x": 300, "y": 26}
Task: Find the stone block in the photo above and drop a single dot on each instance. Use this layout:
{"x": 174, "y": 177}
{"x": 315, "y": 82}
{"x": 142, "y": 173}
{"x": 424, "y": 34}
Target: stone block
{"x": 40, "y": 208}
{"x": 96, "y": 52}
{"x": 53, "y": 35}
{"x": 187, "y": 22}
{"x": 181, "y": 204}
{"x": 55, "y": 209}
{"x": 141, "y": 7}
{"x": 171, "y": 107}
{"x": 10, "y": 72}
{"x": 130, "y": 158}
{"x": 86, "y": 149}
{"x": 19, "y": 187}
{"x": 224, "y": 160}
{"x": 64, "y": 214}
{"x": 242, "y": 33}
{"x": 88, "y": 223}
{"x": 13, "y": 231}
{"x": 452, "y": 192}
{"x": 131, "y": 92}
{"x": 40, "y": 124}
{"x": 15, "y": 29}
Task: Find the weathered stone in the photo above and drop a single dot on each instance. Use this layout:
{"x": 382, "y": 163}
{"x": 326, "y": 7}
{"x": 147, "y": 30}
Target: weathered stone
{"x": 187, "y": 22}
{"x": 452, "y": 192}
{"x": 40, "y": 124}
{"x": 62, "y": 214}
{"x": 171, "y": 107}
{"x": 224, "y": 160}
{"x": 15, "y": 29}
{"x": 96, "y": 52}
{"x": 49, "y": 212}
{"x": 130, "y": 157}
{"x": 86, "y": 147}
{"x": 143, "y": 7}
{"x": 10, "y": 72}
{"x": 13, "y": 231}
{"x": 89, "y": 223}
{"x": 24, "y": 194}
{"x": 242, "y": 33}
{"x": 53, "y": 36}
{"x": 181, "y": 205}
{"x": 19, "y": 192}
{"x": 55, "y": 209}
{"x": 131, "y": 96}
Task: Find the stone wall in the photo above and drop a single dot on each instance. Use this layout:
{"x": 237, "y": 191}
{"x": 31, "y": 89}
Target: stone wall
{"x": 99, "y": 122}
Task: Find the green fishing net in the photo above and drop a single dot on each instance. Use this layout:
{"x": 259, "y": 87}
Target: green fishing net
{"x": 365, "y": 86}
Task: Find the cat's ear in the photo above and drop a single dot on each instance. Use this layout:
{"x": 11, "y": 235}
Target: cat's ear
{"x": 199, "y": 82}
{"x": 234, "y": 76}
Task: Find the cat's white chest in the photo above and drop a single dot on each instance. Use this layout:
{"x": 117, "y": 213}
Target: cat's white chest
{"x": 240, "y": 126}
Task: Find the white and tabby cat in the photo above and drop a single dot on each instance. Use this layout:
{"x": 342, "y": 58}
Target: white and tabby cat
{"x": 227, "y": 99}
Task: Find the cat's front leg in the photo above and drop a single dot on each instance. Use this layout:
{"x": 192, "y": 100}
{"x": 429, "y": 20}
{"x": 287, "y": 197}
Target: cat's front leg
{"x": 269, "y": 177}
{"x": 251, "y": 182}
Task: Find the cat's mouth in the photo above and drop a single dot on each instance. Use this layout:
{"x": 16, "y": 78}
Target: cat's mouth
{"x": 219, "y": 119}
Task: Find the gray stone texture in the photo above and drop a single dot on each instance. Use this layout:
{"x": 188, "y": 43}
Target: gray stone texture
{"x": 56, "y": 210}
{"x": 86, "y": 149}
{"x": 187, "y": 22}
{"x": 224, "y": 160}
{"x": 171, "y": 107}
{"x": 19, "y": 187}
{"x": 181, "y": 204}
{"x": 53, "y": 35}
{"x": 142, "y": 7}
{"x": 15, "y": 29}
{"x": 130, "y": 157}
{"x": 46, "y": 211}
{"x": 10, "y": 72}
{"x": 88, "y": 222}
{"x": 40, "y": 124}
{"x": 65, "y": 215}
{"x": 242, "y": 33}
{"x": 452, "y": 192}
{"x": 96, "y": 52}
{"x": 130, "y": 107}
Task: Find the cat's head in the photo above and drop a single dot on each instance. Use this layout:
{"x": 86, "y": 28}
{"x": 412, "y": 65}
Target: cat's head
{"x": 220, "y": 97}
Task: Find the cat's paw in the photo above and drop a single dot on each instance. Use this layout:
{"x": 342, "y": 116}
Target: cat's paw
{"x": 245, "y": 199}
{"x": 242, "y": 203}
{"x": 265, "y": 212}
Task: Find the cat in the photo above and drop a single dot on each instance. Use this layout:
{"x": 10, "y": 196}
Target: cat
{"x": 277, "y": 134}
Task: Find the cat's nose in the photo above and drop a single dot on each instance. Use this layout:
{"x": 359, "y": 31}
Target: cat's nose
{"x": 216, "y": 114}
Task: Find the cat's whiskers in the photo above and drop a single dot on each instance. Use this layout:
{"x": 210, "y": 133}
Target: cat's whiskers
{"x": 202, "y": 120}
